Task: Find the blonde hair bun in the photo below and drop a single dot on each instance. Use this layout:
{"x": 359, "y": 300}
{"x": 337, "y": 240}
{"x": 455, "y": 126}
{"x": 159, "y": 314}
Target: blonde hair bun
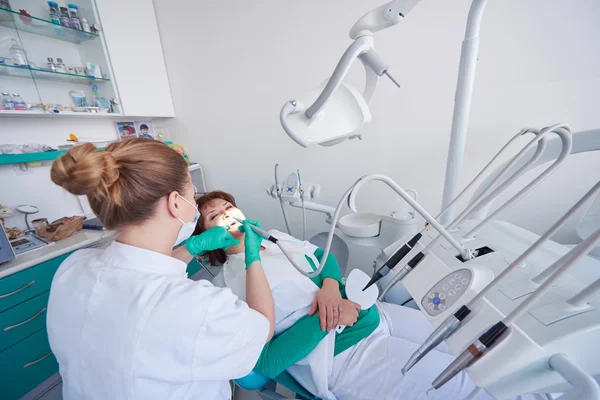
{"x": 85, "y": 170}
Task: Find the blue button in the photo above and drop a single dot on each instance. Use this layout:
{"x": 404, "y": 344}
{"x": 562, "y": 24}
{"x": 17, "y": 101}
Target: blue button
{"x": 436, "y": 300}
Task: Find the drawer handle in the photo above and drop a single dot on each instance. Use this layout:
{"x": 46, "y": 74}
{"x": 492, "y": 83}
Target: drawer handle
{"x": 37, "y": 361}
{"x": 2, "y": 296}
{"x": 9, "y": 328}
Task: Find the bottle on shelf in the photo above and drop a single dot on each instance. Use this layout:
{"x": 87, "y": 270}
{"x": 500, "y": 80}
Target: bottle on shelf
{"x": 7, "y": 101}
{"x": 60, "y": 66}
{"x": 17, "y": 54}
{"x": 95, "y": 95}
{"x": 64, "y": 17}
{"x": 85, "y": 25}
{"x": 51, "y": 65}
{"x": 5, "y": 4}
{"x": 18, "y": 103}
{"x": 54, "y": 13}
{"x": 73, "y": 17}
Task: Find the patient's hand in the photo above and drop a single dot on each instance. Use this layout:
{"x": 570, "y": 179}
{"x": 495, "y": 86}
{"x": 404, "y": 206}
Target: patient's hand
{"x": 349, "y": 315}
{"x": 328, "y": 302}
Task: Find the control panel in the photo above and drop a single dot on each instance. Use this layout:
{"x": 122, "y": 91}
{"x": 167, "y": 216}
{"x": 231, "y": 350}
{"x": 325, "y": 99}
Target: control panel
{"x": 447, "y": 291}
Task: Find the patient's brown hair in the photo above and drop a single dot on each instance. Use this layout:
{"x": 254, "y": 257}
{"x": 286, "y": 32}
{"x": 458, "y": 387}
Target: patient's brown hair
{"x": 215, "y": 257}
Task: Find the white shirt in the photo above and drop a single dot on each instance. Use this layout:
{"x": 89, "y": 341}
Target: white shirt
{"x": 126, "y": 323}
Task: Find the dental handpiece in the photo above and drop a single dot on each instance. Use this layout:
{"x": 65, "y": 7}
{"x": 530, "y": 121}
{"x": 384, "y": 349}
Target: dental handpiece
{"x": 446, "y": 329}
{"x": 394, "y": 260}
{"x": 412, "y": 264}
{"x": 264, "y": 234}
{"x": 471, "y": 354}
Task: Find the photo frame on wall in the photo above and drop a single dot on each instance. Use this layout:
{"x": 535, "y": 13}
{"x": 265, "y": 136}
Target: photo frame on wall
{"x": 126, "y": 130}
{"x": 145, "y": 129}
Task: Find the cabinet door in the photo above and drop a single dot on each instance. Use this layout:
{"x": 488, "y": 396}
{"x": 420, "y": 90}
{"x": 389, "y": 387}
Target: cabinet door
{"x": 131, "y": 33}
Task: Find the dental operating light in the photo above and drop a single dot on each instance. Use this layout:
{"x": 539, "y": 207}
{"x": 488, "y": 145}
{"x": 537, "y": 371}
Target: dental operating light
{"x": 334, "y": 111}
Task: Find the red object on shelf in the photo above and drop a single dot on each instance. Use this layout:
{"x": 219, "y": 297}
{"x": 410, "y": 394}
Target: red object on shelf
{"x": 25, "y": 17}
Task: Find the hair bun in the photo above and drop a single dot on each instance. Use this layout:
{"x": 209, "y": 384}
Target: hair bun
{"x": 85, "y": 170}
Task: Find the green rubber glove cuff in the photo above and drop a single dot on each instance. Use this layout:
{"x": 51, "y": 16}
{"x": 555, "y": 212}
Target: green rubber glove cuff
{"x": 250, "y": 259}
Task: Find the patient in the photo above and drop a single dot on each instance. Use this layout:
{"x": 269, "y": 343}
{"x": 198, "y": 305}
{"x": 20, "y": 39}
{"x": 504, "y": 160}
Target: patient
{"x": 364, "y": 360}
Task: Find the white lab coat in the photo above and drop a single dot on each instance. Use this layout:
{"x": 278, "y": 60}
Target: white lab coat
{"x": 126, "y": 323}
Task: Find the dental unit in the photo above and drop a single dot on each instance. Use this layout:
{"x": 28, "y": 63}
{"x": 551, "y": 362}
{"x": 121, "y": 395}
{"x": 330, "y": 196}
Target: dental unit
{"x": 483, "y": 284}
{"x": 453, "y": 322}
{"x": 477, "y": 349}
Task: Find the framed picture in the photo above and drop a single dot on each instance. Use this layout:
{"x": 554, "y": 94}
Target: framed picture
{"x": 126, "y": 130}
{"x": 145, "y": 129}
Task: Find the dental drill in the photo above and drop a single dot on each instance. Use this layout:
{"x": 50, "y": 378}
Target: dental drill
{"x": 562, "y": 130}
{"x": 404, "y": 250}
{"x": 478, "y": 348}
{"x": 453, "y": 322}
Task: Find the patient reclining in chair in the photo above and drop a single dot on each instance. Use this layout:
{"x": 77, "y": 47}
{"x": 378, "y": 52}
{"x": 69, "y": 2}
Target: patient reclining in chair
{"x": 361, "y": 362}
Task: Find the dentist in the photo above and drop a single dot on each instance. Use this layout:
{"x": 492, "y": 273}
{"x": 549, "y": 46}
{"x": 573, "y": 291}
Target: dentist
{"x": 125, "y": 322}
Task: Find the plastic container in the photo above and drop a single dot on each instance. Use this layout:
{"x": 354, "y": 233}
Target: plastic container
{"x": 60, "y": 66}
{"x": 5, "y": 4}
{"x": 64, "y": 17}
{"x": 85, "y": 25}
{"x": 51, "y": 65}
{"x": 74, "y": 17}
{"x": 7, "y": 101}
{"x": 18, "y": 103}
{"x": 75, "y": 23}
{"x": 54, "y": 12}
{"x": 17, "y": 54}
{"x": 73, "y": 11}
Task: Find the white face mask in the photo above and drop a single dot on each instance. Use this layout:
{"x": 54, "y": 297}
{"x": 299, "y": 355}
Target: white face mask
{"x": 187, "y": 228}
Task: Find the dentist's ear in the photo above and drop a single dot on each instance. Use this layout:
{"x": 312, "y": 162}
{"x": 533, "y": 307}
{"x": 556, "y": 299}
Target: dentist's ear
{"x": 173, "y": 205}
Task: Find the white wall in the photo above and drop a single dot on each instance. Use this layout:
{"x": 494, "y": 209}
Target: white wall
{"x": 233, "y": 64}
{"x": 34, "y": 186}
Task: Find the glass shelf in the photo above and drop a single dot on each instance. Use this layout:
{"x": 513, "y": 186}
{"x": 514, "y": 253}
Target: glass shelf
{"x": 20, "y": 71}
{"x": 12, "y": 19}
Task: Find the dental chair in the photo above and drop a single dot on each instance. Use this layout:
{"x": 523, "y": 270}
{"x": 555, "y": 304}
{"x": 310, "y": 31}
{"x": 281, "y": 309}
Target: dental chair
{"x": 264, "y": 386}
{"x": 254, "y": 381}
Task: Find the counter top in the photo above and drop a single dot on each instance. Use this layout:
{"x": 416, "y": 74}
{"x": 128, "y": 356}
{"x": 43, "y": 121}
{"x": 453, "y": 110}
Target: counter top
{"x": 81, "y": 239}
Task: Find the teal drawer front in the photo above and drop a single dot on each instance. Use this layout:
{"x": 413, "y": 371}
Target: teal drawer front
{"x": 25, "y": 365}
{"x": 22, "y": 320}
{"x": 17, "y": 288}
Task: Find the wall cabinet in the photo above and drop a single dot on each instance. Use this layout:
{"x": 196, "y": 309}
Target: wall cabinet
{"x": 105, "y": 51}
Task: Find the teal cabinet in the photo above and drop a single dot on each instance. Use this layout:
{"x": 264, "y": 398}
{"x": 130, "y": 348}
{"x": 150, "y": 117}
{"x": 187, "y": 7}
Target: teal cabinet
{"x": 25, "y": 356}
{"x": 23, "y": 320}
{"x": 17, "y": 288}
{"x": 25, "y": 365}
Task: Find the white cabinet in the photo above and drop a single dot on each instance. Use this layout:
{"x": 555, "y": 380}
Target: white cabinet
{"x": 131, "y": 34}
{"x": 122, "y": 61}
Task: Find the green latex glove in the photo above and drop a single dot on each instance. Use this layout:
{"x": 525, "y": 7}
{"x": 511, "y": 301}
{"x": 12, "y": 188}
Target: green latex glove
{"x": 213, "y": 239}
{"x": 252, "y": 241}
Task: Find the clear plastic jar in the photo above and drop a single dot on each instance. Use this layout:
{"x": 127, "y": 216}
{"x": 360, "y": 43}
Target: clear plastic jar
{"x": 18, "y": 103}
{"x": 7, "y": 101}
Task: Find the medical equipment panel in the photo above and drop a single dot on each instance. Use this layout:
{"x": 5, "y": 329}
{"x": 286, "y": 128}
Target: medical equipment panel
{"x": 446, "y": 292}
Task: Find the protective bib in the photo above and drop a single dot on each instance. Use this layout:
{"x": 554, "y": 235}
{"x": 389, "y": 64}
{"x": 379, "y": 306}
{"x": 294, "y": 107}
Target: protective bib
{"x": 293, "y": 295}
{"x": 291, "y": 290}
